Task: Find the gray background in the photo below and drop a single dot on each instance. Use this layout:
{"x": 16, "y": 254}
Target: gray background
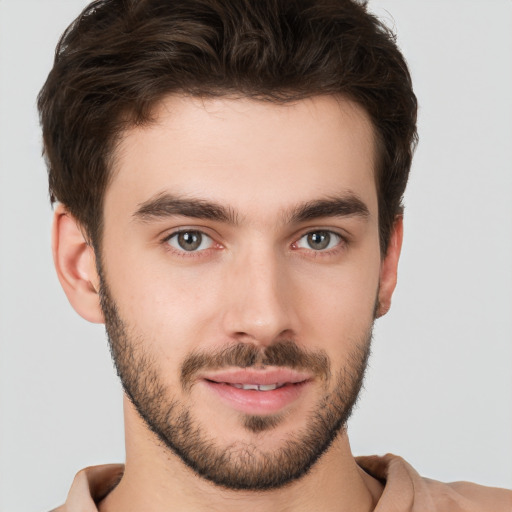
{"x": 439, "y": 391}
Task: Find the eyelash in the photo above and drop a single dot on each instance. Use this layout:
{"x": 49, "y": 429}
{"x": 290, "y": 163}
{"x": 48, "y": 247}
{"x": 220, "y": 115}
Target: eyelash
{"x": 340, "y": 245}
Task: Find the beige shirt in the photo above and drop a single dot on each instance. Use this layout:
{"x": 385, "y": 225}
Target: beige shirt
{"x": 404, "y": 489}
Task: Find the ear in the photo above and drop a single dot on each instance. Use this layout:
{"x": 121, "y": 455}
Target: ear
{"x": 389, "y": 267}
{"x": 75, "y": 263}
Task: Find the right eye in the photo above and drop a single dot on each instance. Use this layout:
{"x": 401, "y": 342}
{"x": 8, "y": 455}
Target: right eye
{"x": 189, "y": 241}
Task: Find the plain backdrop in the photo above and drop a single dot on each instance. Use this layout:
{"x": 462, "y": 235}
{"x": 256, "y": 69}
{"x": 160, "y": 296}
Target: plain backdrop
{"x": 439, "y": 389}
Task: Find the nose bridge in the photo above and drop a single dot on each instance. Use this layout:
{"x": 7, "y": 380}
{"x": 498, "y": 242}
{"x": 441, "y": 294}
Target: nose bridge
{"x": 258, "y": 307}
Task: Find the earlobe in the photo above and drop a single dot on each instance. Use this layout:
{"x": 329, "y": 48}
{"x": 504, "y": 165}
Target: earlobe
{"x": 389, "y": 268}
{"x": 75, "y": 263}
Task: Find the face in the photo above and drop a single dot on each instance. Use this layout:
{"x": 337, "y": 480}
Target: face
{"x": 240, "y": 271}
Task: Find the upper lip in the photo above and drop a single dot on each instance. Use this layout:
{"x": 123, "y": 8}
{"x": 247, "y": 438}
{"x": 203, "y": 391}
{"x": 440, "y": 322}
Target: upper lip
{"x": 254, "y": 376}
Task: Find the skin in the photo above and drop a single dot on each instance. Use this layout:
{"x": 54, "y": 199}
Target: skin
{"x": 257, "y": 281}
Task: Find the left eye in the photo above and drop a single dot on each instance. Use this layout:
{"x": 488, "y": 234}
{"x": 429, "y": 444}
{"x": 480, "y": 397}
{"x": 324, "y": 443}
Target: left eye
{"x": 190, "y": 241}
{"x": 319, "y": 240}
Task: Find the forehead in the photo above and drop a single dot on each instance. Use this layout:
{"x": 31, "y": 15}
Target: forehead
{"x": 254, "y": 155}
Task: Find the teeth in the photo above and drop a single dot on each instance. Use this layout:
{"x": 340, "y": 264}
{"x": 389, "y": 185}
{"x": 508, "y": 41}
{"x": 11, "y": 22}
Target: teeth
{"x": 267, "y": 387}
{"x": 249, "y": 386}
{"x": 258, "y": 387}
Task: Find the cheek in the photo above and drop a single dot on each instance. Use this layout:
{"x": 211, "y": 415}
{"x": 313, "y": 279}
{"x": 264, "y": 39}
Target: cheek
{"x": 169, "y": 307}
{"x": 337, "y": 305}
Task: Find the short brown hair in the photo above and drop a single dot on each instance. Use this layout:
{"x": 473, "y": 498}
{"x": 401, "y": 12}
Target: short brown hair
{"x": 120, "y": 57}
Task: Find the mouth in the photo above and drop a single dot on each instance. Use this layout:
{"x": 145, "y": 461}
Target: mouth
{"x": 257, "y": 387}
{"x": 258, "y": 392}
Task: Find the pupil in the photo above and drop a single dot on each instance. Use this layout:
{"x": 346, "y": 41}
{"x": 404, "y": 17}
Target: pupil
{"x": 189, "y": 240}
{"x": 319, "y": 240}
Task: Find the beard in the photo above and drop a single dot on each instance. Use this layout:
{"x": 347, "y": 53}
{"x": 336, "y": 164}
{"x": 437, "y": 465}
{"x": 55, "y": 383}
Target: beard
{"x": 241, "y": 465}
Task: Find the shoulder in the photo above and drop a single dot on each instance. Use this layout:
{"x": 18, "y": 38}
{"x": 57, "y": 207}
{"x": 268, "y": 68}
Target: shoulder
{"x": 478, "y": 496}
{"x": 90, "y": 486}
{"x": 405, "y": 490}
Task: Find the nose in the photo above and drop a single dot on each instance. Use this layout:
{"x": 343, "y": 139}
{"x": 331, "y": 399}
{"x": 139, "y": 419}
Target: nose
{"x": 259, "y": 305}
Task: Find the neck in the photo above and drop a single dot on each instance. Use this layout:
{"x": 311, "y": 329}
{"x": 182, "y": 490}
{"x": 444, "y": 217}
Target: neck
{"x": 156, "y": 480}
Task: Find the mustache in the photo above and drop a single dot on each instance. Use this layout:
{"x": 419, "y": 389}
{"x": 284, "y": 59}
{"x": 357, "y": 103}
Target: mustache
{"x": 285, "y": 354}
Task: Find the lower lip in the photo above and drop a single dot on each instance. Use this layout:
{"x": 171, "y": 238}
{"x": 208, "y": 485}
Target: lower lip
{"x": 254, "y": 402}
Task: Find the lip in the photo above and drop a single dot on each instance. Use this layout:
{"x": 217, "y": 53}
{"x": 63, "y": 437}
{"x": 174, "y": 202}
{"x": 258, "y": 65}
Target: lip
{"x": 255, "y": 376}
{"x": 257, "y": 402}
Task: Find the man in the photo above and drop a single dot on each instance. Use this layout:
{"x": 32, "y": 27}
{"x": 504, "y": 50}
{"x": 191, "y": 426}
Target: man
{"x": 229, "y": 179}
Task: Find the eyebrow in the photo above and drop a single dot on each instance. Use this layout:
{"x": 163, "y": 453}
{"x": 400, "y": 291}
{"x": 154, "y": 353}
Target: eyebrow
{"x": 348, "y": 205}
{"x": 167, "y": 205}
